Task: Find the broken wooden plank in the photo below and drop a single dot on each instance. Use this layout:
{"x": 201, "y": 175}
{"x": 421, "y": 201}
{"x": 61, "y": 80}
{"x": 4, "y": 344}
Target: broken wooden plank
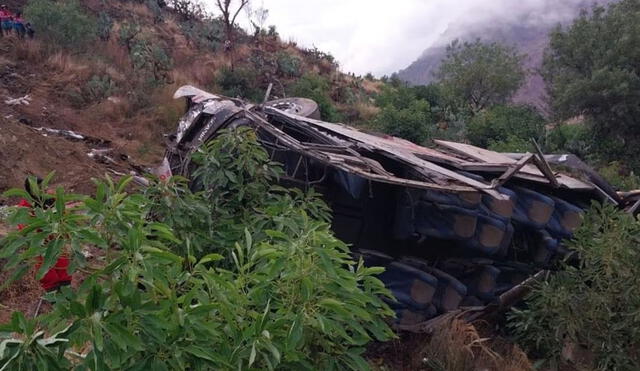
{"x": 543, "y": 165}
{"x": 512, "y": 170}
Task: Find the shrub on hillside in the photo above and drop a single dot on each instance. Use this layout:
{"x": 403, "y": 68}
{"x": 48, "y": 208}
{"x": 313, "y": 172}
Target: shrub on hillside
{"x": 512, "y": 143}
{"x": 65, "y": 24}
{"x": 149, "y": 57}
{"x": 238, "y": 83}
{"x": 505, "y": 123}
{"x": 206, "y": 34}
{"x": 620, "y": 176}
{"x": 412, "y": 122}
{"x": 188, "y": 9}
{"x": 289, "y": 65}
{"x": 593, "y": 305}
{"x": 404, "y": 112}
{"x": 276, "y": 291}
{"x": 104, "y": 26}
{"x": 98, "y": 88}
{"x": 571, "y": 138}
{"x": 318, "y": 88}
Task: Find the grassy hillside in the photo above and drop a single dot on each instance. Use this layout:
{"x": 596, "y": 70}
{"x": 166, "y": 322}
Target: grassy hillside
{"x": 111, "y": 72}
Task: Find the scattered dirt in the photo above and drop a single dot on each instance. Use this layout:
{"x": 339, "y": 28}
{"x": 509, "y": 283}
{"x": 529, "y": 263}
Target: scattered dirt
{"x": 22, "y": 296}
{"x": 25, "y": 151}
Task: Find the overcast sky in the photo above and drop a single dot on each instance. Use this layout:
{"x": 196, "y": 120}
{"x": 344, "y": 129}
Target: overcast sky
{"x": 383, "y": 36}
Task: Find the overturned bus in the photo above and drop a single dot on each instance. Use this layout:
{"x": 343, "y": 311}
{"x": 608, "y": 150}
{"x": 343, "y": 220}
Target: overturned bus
{"x": 456, "y": 227}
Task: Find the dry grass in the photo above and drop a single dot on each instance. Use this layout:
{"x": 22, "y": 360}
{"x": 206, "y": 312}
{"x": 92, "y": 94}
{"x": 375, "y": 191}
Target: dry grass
{"x": 458, "y": 346}
{"x": 117, "y": 55}
{"x": 63, "y": 63}
{"x": 140, "y": 10}
{"x": 367, "y": 112}
{"x": 372, "y": 87}
{"x": 29, "y": 51}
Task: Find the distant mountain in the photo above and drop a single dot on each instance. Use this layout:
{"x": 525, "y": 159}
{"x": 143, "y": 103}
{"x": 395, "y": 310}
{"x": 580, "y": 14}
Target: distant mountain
{"x": 525, "y": 25}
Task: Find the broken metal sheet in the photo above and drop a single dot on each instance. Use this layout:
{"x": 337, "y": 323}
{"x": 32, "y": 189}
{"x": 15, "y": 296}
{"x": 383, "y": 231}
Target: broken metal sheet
{"x": 403, "y": 154}
{"x": 576, "y": 165}
{"x": 338, "y": 162}
{"x": 298, "y": 106}
{"x": 527, "y": 172}
{"x": 196, "y": 95}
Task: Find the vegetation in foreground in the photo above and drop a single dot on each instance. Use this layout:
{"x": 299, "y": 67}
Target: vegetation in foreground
{"x": 588, "y": 312}
{"x": 239, "y": 275}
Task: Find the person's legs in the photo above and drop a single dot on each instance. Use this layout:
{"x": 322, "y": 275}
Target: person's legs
{"x": 20, "y": 30}
{"x": 7, "y": 26}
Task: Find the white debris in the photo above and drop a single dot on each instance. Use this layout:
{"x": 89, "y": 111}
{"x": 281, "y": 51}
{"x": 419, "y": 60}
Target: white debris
{"x": 64, "y": 133}
{"x": 26, "y": 100}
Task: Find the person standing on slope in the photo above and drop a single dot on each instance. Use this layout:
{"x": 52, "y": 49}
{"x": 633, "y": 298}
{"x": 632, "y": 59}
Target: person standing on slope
{"x": 6, "y": 20}
{"x": 19, "y": 25}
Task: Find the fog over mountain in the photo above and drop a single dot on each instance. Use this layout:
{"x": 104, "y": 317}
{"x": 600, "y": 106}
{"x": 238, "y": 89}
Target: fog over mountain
{"x": 524, "y": 24}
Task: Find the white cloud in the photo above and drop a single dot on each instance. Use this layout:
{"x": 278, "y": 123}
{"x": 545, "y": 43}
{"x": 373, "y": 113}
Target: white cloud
{"x": 383, "y": 36}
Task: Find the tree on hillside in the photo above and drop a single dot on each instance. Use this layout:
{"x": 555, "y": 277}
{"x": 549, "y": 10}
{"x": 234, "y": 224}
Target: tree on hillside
{"x": 406, "y": 112}
{"x": 592, "y": 68}
{"x": 230, "y": 10}
{"x": 188, "y": 9}
{"x": 257, "y": 17}
{"x": 477, "y": 75}
{"x": 506, "y": 124}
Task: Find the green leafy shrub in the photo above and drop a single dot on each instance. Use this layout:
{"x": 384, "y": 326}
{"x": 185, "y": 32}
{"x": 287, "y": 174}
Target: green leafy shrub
{"x": 413, "y": 122}
{"x": 570, "y": 138}
{"x": 289, "y": 65}
{"x": 65, "y": 24}
{"x": 593, "y": 304}
{"x": 618, "y": 175}
{"x": 128, "y": 32}
{"x": 318, "y": 88}
{"x": 505, "y": 123}
{"x": 149, "y": 57}
{"x": 98, "y": 88}
{"x": 104, "y": 26}
{"x": 511, "y": 143}
{"x": 188, "y": 9}
{"x": 283, "y": 293}
{"x": 156, "y": 10}
{"x": 238, "y": 82}
{"x": 207, "y": 34}
{"x": 405, "y": 113}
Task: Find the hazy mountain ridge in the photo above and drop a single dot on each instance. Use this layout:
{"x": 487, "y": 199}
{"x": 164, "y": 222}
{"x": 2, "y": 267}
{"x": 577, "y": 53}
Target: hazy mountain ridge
{"x": 525, "y": 26}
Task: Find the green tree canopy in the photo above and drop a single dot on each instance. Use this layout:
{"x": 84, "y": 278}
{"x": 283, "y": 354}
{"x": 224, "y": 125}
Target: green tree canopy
{"x": 592, "y": 68}
{"x": 407, "y": 112}
{"x": 476, "y": 75}
{"x": 506, "y": 123}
